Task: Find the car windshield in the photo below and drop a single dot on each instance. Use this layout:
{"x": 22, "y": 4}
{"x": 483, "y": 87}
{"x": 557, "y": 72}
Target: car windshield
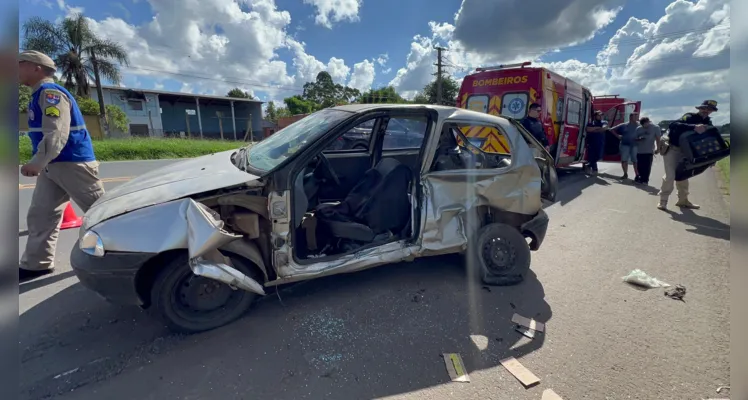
{"x": 272, "y": 151}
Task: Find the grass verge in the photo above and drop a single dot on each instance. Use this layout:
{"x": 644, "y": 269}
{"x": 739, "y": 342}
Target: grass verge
{"x": 724, "y": 169}
{"x": 143, "y": 149}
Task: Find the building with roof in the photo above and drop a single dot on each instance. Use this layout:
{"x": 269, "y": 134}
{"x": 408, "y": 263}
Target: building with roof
{"x": 158, "y": 113}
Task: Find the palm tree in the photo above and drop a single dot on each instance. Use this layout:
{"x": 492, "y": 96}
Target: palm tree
{"x": 79, "y": 54}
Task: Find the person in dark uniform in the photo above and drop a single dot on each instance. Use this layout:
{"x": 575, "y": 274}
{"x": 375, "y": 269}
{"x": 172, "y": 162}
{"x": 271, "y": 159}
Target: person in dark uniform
{"x": 595, "y": 138}
{"x": 533, "y": 124}
{"x": 698, "y": 122}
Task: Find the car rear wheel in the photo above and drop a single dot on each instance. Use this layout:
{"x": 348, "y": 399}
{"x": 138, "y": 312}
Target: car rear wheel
{"x": 500, "y": 254}
{"x": 188, "y": 303}
{"x": 360, "y": 147}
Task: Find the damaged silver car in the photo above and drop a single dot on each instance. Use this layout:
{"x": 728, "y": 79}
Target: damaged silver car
{"x": 199, "y": 240}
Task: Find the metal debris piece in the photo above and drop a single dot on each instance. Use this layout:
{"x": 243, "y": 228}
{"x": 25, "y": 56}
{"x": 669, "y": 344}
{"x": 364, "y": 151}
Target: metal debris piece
{"x": 525, "y": 331}
{"x": 549, "y": 394}
{"x": 721, "y": 388}
{"x": 676, "y": 293}
{"x": 455, "y": 367}
{"x": 528, "y": 323}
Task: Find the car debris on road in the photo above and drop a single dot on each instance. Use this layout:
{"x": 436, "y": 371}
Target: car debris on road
{"x": 455, "y": 367}
{"x": 519, "y": 371}
{"x": 640, "y": 278}
{"x": 549, "y": 394}
{"x": 676, "y": 293}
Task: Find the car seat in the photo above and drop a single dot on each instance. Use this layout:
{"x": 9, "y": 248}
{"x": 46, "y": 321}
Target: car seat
{"x": 377, "y": 205}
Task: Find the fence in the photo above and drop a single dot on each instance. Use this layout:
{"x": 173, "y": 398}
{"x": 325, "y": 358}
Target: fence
{"x": 93, "y": 124}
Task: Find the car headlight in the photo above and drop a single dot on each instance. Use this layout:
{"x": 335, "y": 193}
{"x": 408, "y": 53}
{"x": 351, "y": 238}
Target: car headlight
{"x": 91, "y": 244}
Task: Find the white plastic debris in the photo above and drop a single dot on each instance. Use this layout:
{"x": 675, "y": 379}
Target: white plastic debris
{"x": 640, "y": 278}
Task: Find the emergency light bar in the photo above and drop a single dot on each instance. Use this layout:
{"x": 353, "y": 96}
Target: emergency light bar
{"x": 605, "y": 96}
{"x": 502, "y": 66}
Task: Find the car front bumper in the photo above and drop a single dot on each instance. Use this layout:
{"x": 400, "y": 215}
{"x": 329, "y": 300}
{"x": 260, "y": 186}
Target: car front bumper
{"x": 536, "y": 229}
{"x": 112, "y": 276}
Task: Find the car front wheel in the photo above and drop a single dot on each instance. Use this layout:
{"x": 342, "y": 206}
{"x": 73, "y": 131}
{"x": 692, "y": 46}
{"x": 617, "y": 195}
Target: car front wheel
{"x": 189, "y": 303}
{"x": 501, "y": 255}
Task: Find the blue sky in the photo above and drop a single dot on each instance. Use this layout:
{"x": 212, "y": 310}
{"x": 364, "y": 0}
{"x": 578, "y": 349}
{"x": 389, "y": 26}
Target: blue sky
{"x": 247, "y": 54}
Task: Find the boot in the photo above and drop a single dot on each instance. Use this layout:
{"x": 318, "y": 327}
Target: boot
{"x": 687, "y": 204}
{"x": 662, "y": 205}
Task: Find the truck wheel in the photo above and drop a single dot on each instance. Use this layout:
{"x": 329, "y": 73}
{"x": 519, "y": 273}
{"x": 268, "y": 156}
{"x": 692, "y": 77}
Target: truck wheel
{"x": 188, "y": 303}
{"x": 500, "y": 254}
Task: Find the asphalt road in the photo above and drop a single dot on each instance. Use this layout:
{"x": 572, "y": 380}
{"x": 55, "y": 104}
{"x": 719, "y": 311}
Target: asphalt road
{"x": 380, "y": 333}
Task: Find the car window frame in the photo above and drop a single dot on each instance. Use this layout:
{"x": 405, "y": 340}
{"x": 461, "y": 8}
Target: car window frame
{"x": 396, "y": 117}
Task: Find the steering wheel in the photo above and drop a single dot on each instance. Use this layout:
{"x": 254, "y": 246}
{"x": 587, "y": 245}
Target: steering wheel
{"x": 330, "y": 172}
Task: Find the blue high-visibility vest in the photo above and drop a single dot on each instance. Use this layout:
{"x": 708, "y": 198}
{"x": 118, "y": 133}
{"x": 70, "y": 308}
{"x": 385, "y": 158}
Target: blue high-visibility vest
{"x": 78, "y": 147}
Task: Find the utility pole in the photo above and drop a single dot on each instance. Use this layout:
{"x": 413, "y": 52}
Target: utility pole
{"x": 439, "y": 73}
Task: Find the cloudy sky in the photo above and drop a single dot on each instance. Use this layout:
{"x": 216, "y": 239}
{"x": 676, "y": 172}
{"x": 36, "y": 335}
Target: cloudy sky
{"x": 670, "y": 54}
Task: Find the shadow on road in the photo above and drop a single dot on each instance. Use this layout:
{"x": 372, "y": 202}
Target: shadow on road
{"x": 572, "y": 182}
{"x": 369, "y": 334}
{"x": 702, "y": 225}
{"x": 25, "y": 286}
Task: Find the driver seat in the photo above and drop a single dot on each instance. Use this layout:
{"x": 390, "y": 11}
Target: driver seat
{"x": 377, "y": 205}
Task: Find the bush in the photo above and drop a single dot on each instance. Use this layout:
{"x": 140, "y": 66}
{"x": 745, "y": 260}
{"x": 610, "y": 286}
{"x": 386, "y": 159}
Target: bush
{"x": 144, "y": 149}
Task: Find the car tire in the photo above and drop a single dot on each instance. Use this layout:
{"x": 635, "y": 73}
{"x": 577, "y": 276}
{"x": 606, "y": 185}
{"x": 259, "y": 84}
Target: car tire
{"x": 500, "y": 255}
{"x": 360, "y": 146}
{"x": 176, "y": 289}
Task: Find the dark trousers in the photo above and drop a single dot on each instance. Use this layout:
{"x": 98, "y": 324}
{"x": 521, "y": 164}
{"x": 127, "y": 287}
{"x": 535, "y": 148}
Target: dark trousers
{"x": 594, "y": 149}
{"x": 644, "y": 165}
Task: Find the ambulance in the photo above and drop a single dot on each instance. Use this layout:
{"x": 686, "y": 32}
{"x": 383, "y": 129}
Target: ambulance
{"x": 616, "y": 110}
{"x": 566, "y": 107}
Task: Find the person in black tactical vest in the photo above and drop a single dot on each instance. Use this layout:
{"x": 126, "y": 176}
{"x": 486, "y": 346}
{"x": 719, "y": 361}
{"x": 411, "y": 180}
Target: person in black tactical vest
{"x": 62, "y": 161}
{"x": 698, "y": 122}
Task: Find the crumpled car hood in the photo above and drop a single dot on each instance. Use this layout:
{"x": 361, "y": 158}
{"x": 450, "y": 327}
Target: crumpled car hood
{"x": 174, "y": 181}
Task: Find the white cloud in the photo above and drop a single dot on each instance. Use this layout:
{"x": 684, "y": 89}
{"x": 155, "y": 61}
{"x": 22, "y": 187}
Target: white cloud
{"x": 530, "y": 28}
{"x": 331, "y": 11}
{"x": 382, "y": 59}
{"x": 651, "y": 61}
{"x": 363, "y": 76}
{"x": 181, "y": 42}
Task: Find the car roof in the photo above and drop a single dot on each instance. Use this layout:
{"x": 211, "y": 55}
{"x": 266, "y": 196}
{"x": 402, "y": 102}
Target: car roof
{"x": 443, "y": 111}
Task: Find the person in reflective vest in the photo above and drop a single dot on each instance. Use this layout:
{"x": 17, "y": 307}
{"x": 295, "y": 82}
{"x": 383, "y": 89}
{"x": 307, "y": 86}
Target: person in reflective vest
{"x": 62, "y": 161}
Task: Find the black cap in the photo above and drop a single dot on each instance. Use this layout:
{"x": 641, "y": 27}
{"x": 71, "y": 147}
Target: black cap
{"x": 709, "y": 104}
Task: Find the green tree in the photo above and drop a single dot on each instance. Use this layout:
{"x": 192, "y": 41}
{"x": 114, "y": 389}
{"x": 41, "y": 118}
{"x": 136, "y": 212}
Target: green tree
{"x": 282, "y": 112}
{"x": 664, "y": 124}
{"x": 298, "y": 105}
{"x": 450, "y": 90}
{"x": 239, "y": 94}
{"x": 87, "y": 105}
{"x": 324, "y": 93}
{"x": 24, "y": 97}
{"x": 271, "y": 113}
{"x": 382, "y": 95}
{"x": 725, "y": 129}
{"x": 116, "y": 117}
{"x": 79, "y": 54}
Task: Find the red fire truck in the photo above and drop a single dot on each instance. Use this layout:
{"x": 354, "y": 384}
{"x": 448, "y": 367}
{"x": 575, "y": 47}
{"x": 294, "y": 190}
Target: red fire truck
{"x": 566, "y": 107}
{"x": 616, "y": 110}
